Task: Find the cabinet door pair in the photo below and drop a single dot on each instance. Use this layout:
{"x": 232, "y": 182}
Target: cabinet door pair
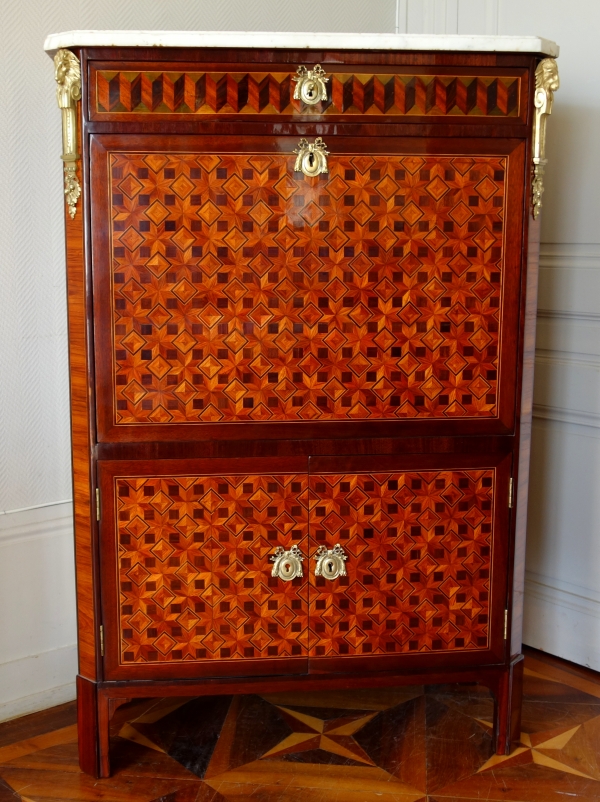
{"x": 382, "y": 295}
{"x": 402, "y": 559}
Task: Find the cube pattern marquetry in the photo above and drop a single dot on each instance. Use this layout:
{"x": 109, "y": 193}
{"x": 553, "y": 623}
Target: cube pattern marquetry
{"x": 151, "y": 92}
{"x": 194, "y": 570}
{"x": 195, "y": 578}
{"x": 419, "y": 554}
{"x": 242, "y": 291}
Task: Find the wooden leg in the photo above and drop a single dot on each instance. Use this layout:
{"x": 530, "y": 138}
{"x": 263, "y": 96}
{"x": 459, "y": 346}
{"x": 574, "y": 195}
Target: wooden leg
{"x": 104, "y": 717}
{"x": 93, "y": 720}
{"x": 507, "y": 709}
{"x": 115, "y": 704}
{"x": 87, "y": 726}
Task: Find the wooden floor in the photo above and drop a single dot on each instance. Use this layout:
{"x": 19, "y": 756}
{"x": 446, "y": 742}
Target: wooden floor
{"x": 406, "y": 745}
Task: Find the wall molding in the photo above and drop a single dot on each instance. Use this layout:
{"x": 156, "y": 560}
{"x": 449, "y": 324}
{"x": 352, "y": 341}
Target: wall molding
{"x": 567, "y": 358}
{"x": 49, "y": 520}
{"x": 557, "y": 357}
{"x": 569, "y": 289}
{"x": 575, "y": 597}
{"x": 570, "y": 254}
{"x": 567, "y": 382}
{"x": 447, "y": 16}
{"x": 588, "y": 420}
{"x": 37, "y": 506}
{"x": 568, "y": 315}
{"x": 563, "y": 619}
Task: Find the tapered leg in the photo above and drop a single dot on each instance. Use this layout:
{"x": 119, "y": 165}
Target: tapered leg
{"x": 87, "y": 726}
{"x": 507, "y": 710}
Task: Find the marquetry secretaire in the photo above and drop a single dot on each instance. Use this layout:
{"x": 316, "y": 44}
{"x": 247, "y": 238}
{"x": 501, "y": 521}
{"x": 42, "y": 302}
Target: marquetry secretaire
{"x": 302, "y": 276}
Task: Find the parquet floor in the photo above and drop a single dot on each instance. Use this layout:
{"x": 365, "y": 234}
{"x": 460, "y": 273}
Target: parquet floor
{"x": 392, "y": 745}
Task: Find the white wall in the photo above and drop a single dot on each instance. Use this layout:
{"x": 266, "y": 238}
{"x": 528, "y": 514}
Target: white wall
{"x": 562, "y": 611}
{"x": 37, "y": 628}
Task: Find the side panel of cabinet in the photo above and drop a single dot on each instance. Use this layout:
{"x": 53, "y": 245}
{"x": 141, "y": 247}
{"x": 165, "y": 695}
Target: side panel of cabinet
{"x": 237, "y": 298}
{"x": 426, "y": 543}
{"x": 186, "y": 552}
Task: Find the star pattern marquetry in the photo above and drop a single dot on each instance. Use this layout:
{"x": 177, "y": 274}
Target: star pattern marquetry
{"x": 244, "y": 292}
{"x": 547, "y": 749}
{"x": 199, "y": 93}
{"x": 194, "y": 571}
{"x": 195, "y": 574}
{"x": 335, "y": 735}
{"x": 409, "y": 744}
{"x": 419, "y": 552}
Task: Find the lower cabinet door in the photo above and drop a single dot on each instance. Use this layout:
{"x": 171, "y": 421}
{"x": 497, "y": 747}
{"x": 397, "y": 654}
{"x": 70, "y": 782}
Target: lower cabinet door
{"x": 187, "y": 553}
{"x": 409, "y": 561}
{"x": 215, "y": 568}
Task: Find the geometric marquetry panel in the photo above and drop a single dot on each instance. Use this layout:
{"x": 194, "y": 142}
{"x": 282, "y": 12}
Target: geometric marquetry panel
{"x": 200, "y": 93}
{"x": 419, "y": 547}
{"x": 243, "y": 291}
{"x": 194, "y": 572}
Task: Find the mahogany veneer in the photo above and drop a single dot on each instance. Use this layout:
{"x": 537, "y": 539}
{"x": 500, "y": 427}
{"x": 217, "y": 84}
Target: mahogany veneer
{"x": 260, "y": 359}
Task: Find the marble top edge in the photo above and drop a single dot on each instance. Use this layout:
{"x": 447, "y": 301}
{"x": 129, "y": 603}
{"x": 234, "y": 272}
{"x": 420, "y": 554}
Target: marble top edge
{"x": 308, "y": 41}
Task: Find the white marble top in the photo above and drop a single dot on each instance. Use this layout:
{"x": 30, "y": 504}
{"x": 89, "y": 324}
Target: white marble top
{"x": 299, "y": 41}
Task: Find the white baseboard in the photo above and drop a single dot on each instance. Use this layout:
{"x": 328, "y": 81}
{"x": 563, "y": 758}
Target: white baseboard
{"x": 37, "y": 682}
{"x": 38, "y": 655}
{"x": 38, "y": 701}
{"x": 562, "y": 619}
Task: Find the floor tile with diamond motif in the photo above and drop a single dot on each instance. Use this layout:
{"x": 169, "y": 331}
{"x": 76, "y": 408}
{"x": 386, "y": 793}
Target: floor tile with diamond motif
{"x": 408, "y": 744}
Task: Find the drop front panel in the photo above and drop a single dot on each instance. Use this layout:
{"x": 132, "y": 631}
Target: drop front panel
{"x": 244, "y": 292}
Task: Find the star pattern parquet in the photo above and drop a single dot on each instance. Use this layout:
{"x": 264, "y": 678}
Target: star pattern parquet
{"x": 245, "y": 292}
{"x": 407, "y": 744}
{"x": 419, "y": 549}
{"x": 194, "y": 571}
{"x": 152, "y": 92}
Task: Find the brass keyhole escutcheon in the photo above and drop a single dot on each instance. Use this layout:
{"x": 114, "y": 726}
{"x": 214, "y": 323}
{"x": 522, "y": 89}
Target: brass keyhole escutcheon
{"x": 311, "y": 159}
{"x": 287, "y": 564}
{"x": 309, "y": 91}
{"x": 310, "y": 85}
{"x": 287, "y": 568}
{"x": 330, "y": 562}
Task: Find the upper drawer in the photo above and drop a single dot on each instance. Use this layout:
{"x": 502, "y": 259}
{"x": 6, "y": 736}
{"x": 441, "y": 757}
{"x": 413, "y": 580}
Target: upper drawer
{"x": 235, "y": 297}
{"x": 139, "y": 91}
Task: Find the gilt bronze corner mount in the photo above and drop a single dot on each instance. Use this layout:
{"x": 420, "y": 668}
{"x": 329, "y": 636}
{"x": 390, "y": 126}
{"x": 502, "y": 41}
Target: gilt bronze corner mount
{"x": 67, "y": 73}
{"x": 546, "y": 84}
